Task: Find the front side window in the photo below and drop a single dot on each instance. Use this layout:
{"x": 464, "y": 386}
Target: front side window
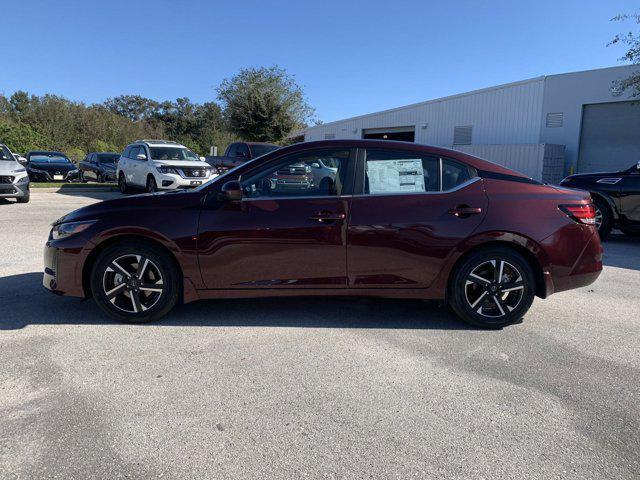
{"x": 108, "y": 158}
{"x": 393, "y": 172}
{"x": 133, "y": 153}
{"x": 306, "y": 174}
{"x": 172, "y": 153}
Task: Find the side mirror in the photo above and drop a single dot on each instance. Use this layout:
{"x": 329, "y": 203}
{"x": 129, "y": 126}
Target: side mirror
{"x": 315, "y": 165}
{"x": 141, "y": 156}
{"x": 202, "y": 159}
{"x": 231, "y": 191}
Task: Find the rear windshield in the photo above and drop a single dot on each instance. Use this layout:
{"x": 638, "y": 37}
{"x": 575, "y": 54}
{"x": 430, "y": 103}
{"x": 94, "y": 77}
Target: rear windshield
{"x": 259, "y": 150}
{"x": 108, "y": 158}
{"x": 172, "y": 153}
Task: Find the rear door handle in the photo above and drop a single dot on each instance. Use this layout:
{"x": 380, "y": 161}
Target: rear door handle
{"x": 464, "y": 211}
{"x": 327, "y": 217}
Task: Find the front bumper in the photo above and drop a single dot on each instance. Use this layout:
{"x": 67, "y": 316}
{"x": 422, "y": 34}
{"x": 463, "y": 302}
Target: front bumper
{"x": 42, "y": 176}
{"x": 168, "y": 181}
{"x": 14, "y": 190}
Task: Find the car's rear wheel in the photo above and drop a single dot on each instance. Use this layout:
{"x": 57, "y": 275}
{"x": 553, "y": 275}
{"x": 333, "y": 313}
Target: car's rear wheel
{"x": 151, "y": 184}
{"x": 492, "y": 288}
{"x": 604, "y": 217}
{"x": 135, "y": 282}
{"x": 99, "y": 178}
{"x": 122, "y": 183}
{"x": 81, "y": 178}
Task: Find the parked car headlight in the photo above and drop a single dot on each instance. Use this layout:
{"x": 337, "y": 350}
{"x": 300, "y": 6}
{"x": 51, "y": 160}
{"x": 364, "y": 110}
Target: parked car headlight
{"x": 164, "y": 169}
{"x": 63, "y": 230}
{"x": 35, "y": 170}
{"x": 24, "y": 179}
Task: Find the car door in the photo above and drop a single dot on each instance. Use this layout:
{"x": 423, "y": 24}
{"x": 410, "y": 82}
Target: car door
{"x": 142, "y": 166}
{"x": 92, "y": 167}
{"x": 403, "y": 223}
{"x": 278, "y": 236}
{"x": 133, "y": 165}
{"x": 629, "y": 191}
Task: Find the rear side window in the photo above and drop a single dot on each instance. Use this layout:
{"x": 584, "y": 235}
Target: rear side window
{"x": 393, "y": 172}
{"x": 232, "y": 150}
{"x": 400, "y": 172}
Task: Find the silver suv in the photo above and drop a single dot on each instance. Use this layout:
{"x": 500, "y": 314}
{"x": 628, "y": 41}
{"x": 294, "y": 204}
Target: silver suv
{"x": 14, "y": 180}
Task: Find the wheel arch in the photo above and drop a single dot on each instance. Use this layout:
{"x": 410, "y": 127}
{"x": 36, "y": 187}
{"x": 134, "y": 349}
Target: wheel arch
{"x": 529, "y": 256}
{"x": 608, "y": 200}
{"x": 102, "y": 246}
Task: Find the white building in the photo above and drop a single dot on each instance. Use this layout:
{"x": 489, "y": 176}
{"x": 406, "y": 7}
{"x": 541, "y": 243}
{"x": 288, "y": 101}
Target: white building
{"x": 544, "y": 127}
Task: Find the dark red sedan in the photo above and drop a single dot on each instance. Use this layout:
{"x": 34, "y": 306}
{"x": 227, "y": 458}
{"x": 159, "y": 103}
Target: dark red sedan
{"x": 395, "y": 220}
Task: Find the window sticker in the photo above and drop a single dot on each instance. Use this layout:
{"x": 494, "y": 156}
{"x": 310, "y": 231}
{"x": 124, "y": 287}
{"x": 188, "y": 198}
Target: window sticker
{"x": 396, "y": 176}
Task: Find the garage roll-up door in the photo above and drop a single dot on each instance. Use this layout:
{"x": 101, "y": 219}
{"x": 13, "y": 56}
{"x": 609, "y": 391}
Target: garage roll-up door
{"x": 610, "y": 137}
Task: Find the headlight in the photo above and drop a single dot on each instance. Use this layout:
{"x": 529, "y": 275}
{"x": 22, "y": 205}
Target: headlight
{"x": 307, "y": 169}
{"x": 164, "y": 169}
{"x": 35, "y": 170}
{"x": 63, "y": 230}
{"x": 75, "y": 170}
{"x": 24, "y": 179}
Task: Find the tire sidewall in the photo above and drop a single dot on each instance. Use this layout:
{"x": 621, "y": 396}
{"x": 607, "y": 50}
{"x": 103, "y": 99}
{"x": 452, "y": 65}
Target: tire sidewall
{"x": 152, "y": 185}
{"x": 457, "y": 297}
{"x": 607, "y": 217}
{"x": 122, "y": 183}
{"x": 168, "y": 269}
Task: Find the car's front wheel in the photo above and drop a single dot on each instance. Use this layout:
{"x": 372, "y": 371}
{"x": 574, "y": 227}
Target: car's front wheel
{"x": 135, "y": 282}
{"x": 492, "y": 288}
{"x": 122, "y": 183}
{"x": 152, "y": 186}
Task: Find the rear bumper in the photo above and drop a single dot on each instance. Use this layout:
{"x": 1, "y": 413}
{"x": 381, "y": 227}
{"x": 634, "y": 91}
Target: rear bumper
{"x": 575, "y": 259}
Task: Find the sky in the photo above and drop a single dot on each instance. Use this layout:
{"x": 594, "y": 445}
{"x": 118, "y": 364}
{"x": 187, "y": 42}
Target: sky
{"x": 350, "y": 57}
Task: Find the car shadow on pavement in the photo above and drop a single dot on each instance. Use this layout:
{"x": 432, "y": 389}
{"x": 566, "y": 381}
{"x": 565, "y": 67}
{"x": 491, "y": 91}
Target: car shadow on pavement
{"x": 25, "y": 302}
{"x": 622, "y": 251}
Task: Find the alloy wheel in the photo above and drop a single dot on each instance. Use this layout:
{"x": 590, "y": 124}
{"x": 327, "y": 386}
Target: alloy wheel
{"x": 494, "y": 288}
{"x": 133, "y": 283}
{"x": 598, "y": 217}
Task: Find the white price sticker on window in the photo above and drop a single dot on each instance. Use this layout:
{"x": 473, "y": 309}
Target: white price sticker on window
{"x": 395, "y": 176}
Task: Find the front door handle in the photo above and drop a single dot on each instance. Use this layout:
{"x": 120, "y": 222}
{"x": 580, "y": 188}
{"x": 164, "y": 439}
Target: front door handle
{"x": 463, "y": 211}
{"x": 327, "y": 217}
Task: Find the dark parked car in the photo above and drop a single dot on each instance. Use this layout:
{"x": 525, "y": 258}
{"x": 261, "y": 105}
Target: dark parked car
{"x": 238, "y": 153}
{"x": 99, "y": 167}
{"x": 44, "y": 166}
{"x": 402, "y": 220}
{"x": 616, "y": 196}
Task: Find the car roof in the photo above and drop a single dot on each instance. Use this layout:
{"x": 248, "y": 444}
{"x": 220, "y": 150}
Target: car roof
{"x": 45, "y": 152}
{"x": 158, "y": 143}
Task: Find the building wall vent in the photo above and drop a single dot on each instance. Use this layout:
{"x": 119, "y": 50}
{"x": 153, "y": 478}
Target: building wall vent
{"x": 329, "y": 136}
{"x": 554, "y": 120}
{"x": 462, "y": 135}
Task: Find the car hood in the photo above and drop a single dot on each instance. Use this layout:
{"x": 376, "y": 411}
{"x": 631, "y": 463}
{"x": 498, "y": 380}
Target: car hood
{"x": 7, "y": 167}
{"x": 181, "y": 163}
{"x": 52, "y": 167}
{"x": 172, "y": 198}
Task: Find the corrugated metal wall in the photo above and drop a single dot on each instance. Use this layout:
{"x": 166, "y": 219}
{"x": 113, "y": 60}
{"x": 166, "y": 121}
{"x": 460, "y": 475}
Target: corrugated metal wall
{"x": 500, "y": 115}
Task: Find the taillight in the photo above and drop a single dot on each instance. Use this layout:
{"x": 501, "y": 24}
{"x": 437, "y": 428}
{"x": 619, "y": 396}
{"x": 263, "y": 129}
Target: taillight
{"x": 580, "y": 213}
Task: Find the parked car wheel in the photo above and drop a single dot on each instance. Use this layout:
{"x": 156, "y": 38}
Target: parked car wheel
{"x": 122, "y": 184}
{"x": 81, "y": 178}
{"x": 135, "y": 282}
{"x": 23, "y": 199}
{"x": 604, "y": 217}
{"x": 99, "y": 178}
{"x": 492, "y": 287}
{"x": 151, "y": 184}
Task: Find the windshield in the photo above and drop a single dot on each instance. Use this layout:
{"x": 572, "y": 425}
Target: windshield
{"x": 52, "y": 158}
{"x": 172, "y": 153}
{"x": 259, "y": 150}
{"x": 108, "y": 158}
{"x": 5, "y": 154}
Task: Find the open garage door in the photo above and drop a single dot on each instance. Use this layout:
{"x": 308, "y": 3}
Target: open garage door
{"x": 404, "y": 134}
{"x": 610, "y": 137}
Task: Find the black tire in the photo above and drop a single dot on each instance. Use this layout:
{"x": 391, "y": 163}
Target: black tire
{"x": 159, "y": 260}
{"x": 467, "y": 293}
{"x": 604, "y": 211}
{"x": 24, "y": 199}
{"x": 81, "y": 178}
{"x": 122, "y": 184}
{"x": 99, "y": 178}
{"x": 152, "y": 186}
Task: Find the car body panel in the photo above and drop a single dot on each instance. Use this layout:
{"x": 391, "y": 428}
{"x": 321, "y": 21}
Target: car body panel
{"x": 14, "y": 179}
{"x": 42, "y": 168}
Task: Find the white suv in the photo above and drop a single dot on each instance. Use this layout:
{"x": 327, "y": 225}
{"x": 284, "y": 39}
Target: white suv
{"x": 160, "y": 165}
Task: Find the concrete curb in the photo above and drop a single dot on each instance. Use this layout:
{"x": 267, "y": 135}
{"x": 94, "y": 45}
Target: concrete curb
{"x": 72, "y": 190}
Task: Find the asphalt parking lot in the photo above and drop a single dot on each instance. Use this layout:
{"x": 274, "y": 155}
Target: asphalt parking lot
{"x": 313, "y": 388}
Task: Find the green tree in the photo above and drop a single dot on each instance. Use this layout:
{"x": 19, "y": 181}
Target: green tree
{"x": 264, "y": 104}
{"x": 632, "y": 41}
{"x": 133, "y": 107}
{"x": 21, "y": 138}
